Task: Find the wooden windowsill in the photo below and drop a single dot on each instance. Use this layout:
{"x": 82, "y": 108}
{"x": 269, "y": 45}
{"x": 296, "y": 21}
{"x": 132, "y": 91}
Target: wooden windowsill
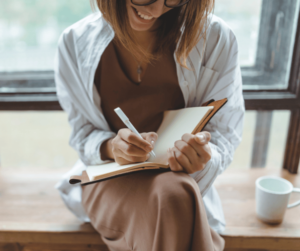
{"x": 32, "y": 213}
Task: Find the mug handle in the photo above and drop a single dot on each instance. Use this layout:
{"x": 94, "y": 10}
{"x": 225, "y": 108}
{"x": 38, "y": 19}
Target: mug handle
{"x": 297, "y": 202}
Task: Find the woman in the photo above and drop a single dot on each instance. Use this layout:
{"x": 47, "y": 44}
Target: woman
{"x": 146, "y": 57}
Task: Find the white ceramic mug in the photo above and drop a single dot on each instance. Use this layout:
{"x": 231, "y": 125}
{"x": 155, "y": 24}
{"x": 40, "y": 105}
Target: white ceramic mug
{"x": 272, "y": 195}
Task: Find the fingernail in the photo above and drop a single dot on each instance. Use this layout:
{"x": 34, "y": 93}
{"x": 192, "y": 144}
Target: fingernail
{"x": 152, "y": 142}
{"x": 201, "y": 138}
{"x": 171, "y": 152}
{"x": 174, "y": 153}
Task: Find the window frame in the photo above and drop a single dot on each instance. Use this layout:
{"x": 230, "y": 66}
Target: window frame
{"x": 36, "y": 91}
{"x": 278, "y": 97}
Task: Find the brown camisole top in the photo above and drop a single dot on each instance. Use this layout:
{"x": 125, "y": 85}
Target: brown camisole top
{"x": 143, "y": 104}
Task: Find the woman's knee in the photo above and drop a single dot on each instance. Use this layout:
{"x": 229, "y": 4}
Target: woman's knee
{"x": 175, "y": 191}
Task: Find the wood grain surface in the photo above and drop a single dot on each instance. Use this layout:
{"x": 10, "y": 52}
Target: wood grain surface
{"x": 33, "y": 217}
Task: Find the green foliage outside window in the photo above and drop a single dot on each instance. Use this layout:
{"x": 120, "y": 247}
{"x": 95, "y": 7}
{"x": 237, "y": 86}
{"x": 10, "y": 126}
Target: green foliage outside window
{"x": 25, "y": 20}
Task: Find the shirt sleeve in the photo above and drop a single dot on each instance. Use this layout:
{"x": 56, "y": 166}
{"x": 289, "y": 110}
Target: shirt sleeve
{"x": 85, "y": 138}
{"x": 222, "y": 74}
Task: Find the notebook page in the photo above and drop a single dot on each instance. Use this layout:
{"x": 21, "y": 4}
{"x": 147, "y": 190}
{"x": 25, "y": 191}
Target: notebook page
{"x": 174, "y": 125}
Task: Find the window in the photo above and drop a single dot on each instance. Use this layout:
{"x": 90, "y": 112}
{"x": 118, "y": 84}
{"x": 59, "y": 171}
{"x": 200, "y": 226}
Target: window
{"x": 29, "y": 33}
{"x": 30, "y": 30}
{"x": 268, "y": 33}
{"x": 269, "y": 56}
{"x": 266, "y": 36}
{"x": 246, "y": 29}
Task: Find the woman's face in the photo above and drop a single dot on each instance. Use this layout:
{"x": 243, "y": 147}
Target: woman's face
{"x": 143, "y": 18}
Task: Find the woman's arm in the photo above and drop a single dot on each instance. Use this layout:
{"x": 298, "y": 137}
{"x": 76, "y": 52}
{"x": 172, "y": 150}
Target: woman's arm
{"x": 127, "y": 147}
{"x": 106, "y": 150}
{"x": 91, "y": 136}
{"x": 220, "y": 77}
{"x": 86, "y": 138}
{"x": 226, "y": 126}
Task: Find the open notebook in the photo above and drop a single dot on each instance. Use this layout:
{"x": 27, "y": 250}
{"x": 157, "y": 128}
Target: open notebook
{"x": 175, "y": 123}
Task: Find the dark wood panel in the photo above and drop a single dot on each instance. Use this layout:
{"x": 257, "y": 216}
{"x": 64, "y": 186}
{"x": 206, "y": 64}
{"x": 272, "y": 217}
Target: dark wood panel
{"x": 30, "y": 106}
{"x": 258, "y": 101}
{"x": 247, "y": 249}
{"x": 271, "y": 105}
{"x": 271, "y": 100}
{"x": 50, "y": 247}
{"x": 292, "y": 149}
{"x": 295, "y": 68}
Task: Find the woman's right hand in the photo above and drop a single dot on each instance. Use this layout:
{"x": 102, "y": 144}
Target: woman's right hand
{"x": 128, "y": 148}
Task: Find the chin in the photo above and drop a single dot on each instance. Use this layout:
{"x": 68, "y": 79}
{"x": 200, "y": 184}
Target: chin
{"x": 139, "y": 28}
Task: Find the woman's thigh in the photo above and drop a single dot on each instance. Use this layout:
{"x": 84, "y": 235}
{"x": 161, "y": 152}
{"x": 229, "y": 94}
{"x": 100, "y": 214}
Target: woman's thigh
{"x": 126, "y": 210}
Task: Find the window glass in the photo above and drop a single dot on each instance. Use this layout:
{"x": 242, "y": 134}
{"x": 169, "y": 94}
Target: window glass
{"x": 30, "y": 30}
{"x": 265, "y": 32}
{"x": 243, "y": 17}
{"x": 39, "y": 141}
{"x": 276, "y": 146}
{"x": 35, "y": 141}
{"x": 278, "y": 137}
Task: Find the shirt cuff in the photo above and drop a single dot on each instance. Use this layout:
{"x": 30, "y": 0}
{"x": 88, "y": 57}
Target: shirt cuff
{"x": 91, "y": 154}
{"x": 106, "y": 136}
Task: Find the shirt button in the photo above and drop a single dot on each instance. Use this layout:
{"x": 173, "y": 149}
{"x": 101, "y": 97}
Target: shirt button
{"x": 185, "y": 83}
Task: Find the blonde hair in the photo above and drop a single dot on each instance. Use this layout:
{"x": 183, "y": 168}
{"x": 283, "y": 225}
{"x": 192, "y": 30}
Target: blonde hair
{"x": 191, "y": 18}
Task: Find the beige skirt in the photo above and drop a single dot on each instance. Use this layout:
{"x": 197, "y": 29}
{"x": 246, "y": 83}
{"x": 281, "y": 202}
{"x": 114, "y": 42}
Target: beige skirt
{"x": 150, "y": 210}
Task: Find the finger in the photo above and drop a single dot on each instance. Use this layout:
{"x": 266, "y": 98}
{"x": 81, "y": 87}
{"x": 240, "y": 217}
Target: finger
{"x": 121, "y": 161}
{"x": 134, "y": 139}
{"x": 205, "y": 153}
{"x": 151, "y": 137}
{"x": 174, "y": 165}
{"x": 188, "y": 151}
{"x": 130, "y": 149}
{"x": 202, "y": 137}
{"x": 183, "y": 160}
{"x": 192, "y": 140}
{"x": 131, "y": 158}
{"x": 203, "y": 150}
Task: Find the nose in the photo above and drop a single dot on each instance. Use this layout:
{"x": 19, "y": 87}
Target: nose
{"x": 156, "y": 9}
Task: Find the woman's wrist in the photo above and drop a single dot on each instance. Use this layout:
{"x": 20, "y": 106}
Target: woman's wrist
{"x": 106, "y": 150}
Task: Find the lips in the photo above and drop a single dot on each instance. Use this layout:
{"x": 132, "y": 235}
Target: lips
{"x": 142, "y": 20}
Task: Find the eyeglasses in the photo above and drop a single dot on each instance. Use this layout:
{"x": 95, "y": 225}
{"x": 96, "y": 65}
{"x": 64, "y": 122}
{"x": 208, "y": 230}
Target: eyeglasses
{"x": 168, "y": 3}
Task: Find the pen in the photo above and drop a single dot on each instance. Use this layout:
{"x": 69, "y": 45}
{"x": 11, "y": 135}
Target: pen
{"x": 126, "y": 121}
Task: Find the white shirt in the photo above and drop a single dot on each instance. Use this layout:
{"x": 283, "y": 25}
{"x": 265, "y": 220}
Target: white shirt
{"x": 217, "y": 76}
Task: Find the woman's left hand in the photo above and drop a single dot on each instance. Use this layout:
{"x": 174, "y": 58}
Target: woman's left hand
{"x": 191, "y": 153}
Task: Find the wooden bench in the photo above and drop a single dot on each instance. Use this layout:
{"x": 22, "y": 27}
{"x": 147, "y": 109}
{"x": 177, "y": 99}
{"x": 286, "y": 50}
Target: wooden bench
{"x": 34, "y": 218}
